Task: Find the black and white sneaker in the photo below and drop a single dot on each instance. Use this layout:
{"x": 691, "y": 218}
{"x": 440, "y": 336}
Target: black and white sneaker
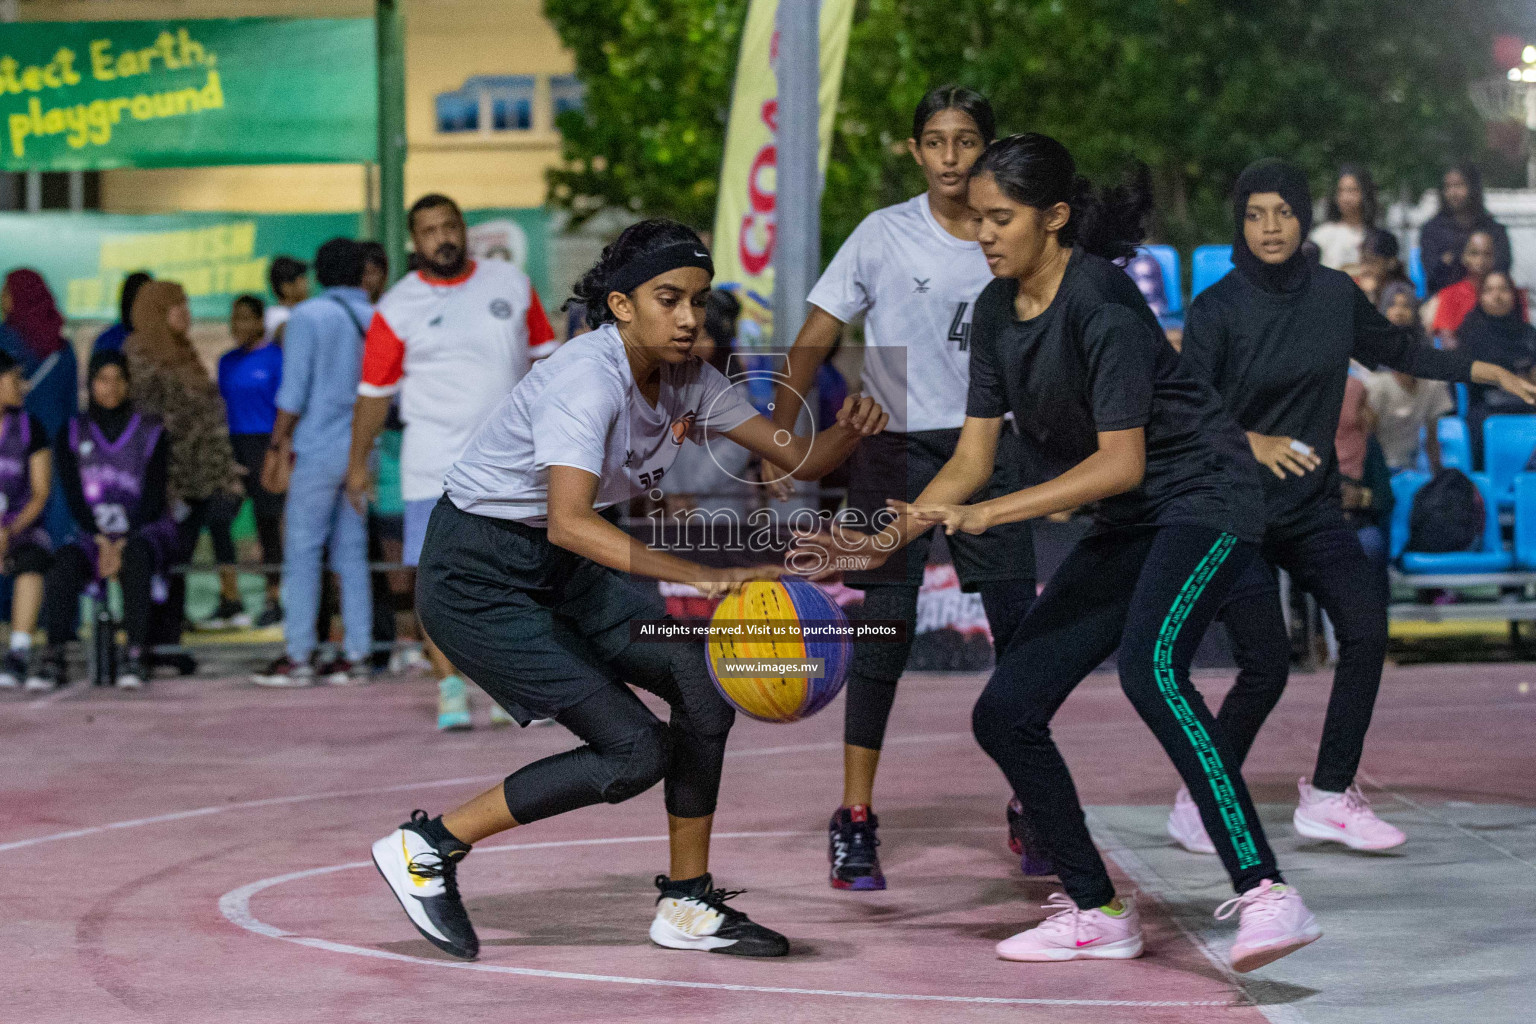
{"x": 49, "y": 671}
{"x": 13, "y": 669}
{"x": 853, "y": 843}
{"x": 693, "y": 915}
{"x": 424, "y": 878}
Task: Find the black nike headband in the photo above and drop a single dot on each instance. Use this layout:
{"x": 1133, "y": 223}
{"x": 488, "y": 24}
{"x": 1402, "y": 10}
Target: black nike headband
{"x": 658, "y": 261}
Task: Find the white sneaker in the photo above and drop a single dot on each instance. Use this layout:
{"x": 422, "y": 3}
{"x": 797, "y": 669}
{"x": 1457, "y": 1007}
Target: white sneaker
{"x": 1073, "y": 934}
{"x": 1275, "y": 923}
{"x": 39, "y": 683}
{"x": 1343, "y": 818}
{"x": 1185, "y": 826}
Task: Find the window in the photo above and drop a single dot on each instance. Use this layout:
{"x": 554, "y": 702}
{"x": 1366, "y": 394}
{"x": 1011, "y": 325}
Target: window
{"x": 488, "y": 103}
{"x": 491, "y": 104}
{"x": 566, "y": 93}
{"x": 458, "y": 112}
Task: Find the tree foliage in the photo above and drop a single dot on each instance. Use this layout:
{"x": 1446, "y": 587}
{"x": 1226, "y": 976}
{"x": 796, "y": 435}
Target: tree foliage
{"x": 1195, "y": 88}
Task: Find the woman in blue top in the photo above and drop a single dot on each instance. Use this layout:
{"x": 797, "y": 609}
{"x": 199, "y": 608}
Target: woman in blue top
{"x": 249, "y": 375}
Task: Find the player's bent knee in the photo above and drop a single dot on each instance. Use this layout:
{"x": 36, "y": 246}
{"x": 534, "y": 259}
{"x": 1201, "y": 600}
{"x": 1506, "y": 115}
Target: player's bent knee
{"x": 640, "y": 765}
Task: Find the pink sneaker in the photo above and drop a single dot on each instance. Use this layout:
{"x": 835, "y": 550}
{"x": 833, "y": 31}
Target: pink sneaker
{"x": 1275, "y": 923}
{"x": 1343, "y": 818}
{"x": 1073, "y": 934}
{"x": 1185, "y": 826}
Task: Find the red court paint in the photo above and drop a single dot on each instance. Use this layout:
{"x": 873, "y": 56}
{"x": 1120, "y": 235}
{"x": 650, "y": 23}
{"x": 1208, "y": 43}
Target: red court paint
{"x": 267, "y": 802}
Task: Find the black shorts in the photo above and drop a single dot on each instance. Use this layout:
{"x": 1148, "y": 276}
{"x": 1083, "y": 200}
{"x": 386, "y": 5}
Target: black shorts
{"x": 25, "y": 556}
{"x": 532, "y": 624}
{"x": 877, "y": 470}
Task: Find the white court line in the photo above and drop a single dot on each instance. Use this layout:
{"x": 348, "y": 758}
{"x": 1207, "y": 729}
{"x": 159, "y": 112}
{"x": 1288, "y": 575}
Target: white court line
{"x": 1151, "y": 885}
{"x": 1409, "y": 801}
{"x": 278, "y": 801}
{"x": 235, "y": 905}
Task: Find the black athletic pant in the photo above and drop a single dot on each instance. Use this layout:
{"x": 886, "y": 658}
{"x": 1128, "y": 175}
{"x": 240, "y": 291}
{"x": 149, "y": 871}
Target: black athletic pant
{"x": 72, "y": 572}
{"x": 1330, "y": 565}
{"x": 267, "y": 508}
{"x": 628, "y": 749}
{"x": 877, "y": 667}
{"x": 216, "y": 513}
{"x": 547, "y": 634}
{"x": 1150, "y": 593}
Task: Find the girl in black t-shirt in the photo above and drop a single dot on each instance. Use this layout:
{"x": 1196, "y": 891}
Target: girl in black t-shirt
{"x": 1108, "y": 419}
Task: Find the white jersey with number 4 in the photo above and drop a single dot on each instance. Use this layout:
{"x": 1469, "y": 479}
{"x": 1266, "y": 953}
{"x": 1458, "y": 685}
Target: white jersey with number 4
{"x": 452, "y": 350}
{"x": 918, "y": 284}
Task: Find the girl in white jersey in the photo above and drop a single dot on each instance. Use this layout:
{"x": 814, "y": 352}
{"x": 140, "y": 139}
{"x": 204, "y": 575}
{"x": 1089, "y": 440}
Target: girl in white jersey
{"x": 524, "y": 584}
{"x": 913, "y": 271}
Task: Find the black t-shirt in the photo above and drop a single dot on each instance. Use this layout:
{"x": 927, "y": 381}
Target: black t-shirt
{"x": 1280, "y": 363}
{"x": 1096, "y": 360}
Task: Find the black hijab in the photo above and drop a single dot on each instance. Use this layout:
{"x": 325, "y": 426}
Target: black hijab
{"x": 1272, "y": 175}
{"x": 1506, "y": 340}
{"x": 110, "y": 421}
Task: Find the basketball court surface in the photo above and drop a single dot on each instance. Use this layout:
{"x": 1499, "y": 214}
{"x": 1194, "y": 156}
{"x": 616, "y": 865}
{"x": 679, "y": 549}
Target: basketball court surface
{"x": 200, "y": 853}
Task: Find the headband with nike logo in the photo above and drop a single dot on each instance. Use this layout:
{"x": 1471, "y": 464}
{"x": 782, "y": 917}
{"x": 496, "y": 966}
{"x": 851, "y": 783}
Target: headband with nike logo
{"x": 658, "y": 261}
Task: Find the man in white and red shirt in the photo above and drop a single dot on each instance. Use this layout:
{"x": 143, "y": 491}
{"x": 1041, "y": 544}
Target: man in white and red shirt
{"x": 451, "y": 338}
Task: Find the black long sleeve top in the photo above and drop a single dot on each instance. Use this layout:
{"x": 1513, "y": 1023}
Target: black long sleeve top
{"x": 1280, "y": 362}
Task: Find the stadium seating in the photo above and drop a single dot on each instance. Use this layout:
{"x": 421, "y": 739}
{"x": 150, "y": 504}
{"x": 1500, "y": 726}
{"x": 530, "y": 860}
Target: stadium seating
{"x": 1209, "y": 265}
{"x": 1507, "y": 445}
{"x": 1455, "y": 446}
{"x": 1490, "y": 556}
{"x": 1416, "y": 272}
{"x": 1525, "y": 520}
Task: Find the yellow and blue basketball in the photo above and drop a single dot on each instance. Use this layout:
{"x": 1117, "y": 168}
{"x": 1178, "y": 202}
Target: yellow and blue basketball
{"x": 789, "y": 607}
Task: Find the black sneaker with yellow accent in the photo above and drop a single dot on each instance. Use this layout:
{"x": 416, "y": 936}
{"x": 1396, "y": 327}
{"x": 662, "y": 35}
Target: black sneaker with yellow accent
{"x": 692, "y": 914}
{"x": 423, "y": 875}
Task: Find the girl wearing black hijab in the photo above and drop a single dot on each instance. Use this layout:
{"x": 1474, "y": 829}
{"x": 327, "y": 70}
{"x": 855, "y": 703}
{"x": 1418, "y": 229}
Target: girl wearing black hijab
{"x": 1108, "y": 418}
{"x": 1496, "y": 332}
{"x": 1275, "y": 337}
{"x": 112, "y": 465}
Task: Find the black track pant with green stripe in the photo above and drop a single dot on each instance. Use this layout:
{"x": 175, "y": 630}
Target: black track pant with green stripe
{"x": 1151, "y": 593}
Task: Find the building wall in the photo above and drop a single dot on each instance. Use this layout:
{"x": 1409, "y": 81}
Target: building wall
{"x": 447, "y": 41}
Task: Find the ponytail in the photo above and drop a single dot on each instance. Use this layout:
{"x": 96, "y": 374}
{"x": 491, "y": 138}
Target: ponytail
{"x": 1037, "y": 171}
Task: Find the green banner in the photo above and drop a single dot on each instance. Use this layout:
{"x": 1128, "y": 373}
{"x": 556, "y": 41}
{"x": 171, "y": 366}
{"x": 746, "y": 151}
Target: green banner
{"x": 86, "y": 95}
{"x": 215, "y": 256}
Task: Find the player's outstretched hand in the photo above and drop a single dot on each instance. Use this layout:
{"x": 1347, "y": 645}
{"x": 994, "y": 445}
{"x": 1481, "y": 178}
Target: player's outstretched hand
{"x": 862, "y": 413}
{"x": 833, "y": 550}
{"x": 954, "y": 518}
{"x": 1518, "y": 386}
{"x": 728, "y": 581}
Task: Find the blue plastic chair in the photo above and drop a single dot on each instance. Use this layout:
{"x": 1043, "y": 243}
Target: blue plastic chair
{"x": 1490, "y": 556}
{"x": 1209, "y": 264}
{"x": 1463, "y": 399}
{"x": 1525, "y": 520}
{"x": 1507, "y": 445}
{"x": 1455, "y": 446}
{"x": 1168, "y": 260}
{"x": 1404, "y": 486}
{"x": 1416, "y": 273}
